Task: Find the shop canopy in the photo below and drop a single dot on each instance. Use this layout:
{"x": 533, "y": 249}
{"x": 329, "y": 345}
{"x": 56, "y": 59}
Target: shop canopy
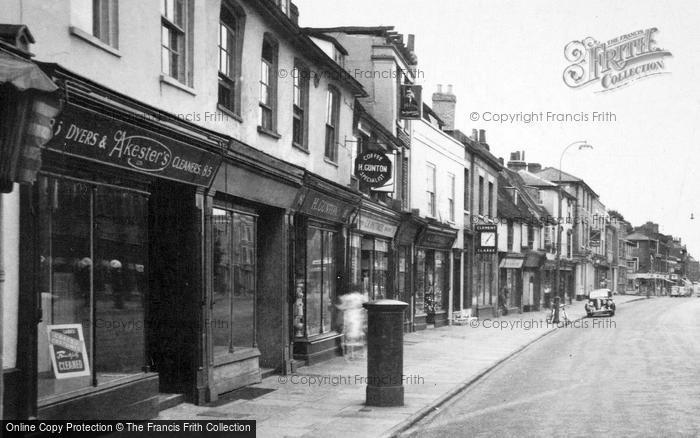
{"x": 511, "y": 263}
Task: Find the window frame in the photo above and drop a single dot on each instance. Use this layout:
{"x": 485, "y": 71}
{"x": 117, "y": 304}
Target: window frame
{"x": 183, "y": 74}
{"x": 331, "y": 126}
{"x": 481, "y": 195}
{"x": 231, "y": 80}
{"x": 268, "y": 107}
{"x": 451, "y": 198}
{"x": 431, "y": 183}
{"x": 300, "y": 109}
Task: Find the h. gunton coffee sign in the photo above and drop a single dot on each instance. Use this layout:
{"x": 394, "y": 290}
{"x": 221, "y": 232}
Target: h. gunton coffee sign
{"x": 84, "y": 133}
{"x": 373, "y": 169}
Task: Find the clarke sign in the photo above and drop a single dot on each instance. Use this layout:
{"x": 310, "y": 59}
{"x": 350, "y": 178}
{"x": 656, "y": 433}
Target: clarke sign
{"x": 373, "y": 169}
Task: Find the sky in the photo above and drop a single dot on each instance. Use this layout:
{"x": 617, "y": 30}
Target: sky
{"x": 507, "y": 57}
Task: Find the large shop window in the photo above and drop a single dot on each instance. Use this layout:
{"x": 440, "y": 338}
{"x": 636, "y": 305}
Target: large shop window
{"x": 316, "y": 275}
{"x": 233, "y": 309}
{"x": 93, "y": 273}
{"x": 372, "y": 278}
{"x": 431, "y": 280}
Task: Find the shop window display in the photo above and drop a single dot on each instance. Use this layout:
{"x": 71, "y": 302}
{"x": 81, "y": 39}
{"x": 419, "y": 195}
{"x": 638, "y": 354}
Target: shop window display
{"x": 233, "y": 309}
{"x": 93, "y": 272}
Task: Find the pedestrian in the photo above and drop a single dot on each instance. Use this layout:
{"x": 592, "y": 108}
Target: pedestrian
{"x": 354, "y": 323}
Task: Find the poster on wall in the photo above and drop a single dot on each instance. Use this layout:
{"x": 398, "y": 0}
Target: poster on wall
{"x": 67, "y": 350}
{"x": 411, "y": 101}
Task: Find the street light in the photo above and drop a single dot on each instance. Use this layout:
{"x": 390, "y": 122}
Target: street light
{"x": 582, "y": 144}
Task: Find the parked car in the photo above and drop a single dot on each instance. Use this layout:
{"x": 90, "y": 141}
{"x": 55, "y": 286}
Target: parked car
{"x": 600, "y": 303}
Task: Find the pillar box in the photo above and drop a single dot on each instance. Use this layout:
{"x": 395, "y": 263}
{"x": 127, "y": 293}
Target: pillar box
{"x": 385, "y": 352}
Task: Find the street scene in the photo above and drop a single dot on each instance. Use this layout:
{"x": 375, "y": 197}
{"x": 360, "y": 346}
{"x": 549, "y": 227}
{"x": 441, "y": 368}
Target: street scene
{"x": 295, "y": 218}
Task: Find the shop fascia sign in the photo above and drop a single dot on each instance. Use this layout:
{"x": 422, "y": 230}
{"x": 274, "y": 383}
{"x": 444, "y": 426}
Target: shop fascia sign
{"x": 87, "y": 134}
{"x": 374, "y": 169}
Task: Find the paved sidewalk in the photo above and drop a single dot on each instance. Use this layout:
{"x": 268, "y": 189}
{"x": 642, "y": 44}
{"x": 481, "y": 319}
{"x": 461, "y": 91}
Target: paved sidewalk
{"x": 328, "y": 399}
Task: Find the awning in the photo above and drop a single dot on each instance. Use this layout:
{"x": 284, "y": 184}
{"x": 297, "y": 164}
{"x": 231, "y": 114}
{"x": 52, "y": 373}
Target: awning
{"x": 511, "y": 263}
{"x": 24, "y": 74}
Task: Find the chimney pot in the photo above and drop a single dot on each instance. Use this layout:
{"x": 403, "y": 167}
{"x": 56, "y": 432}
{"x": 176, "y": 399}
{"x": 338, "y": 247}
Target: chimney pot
{"x": 475, "y": 135}
{"x": 439, "y": 90}
{"x": 482, "y": 136}
{"x": 449, "y": 89}
{"x": 411, "y": 42}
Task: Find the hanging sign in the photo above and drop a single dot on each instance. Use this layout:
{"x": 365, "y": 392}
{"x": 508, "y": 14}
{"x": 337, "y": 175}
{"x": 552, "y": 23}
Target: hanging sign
{"x": 411, "y": 102}
{"x": 67, "y": 350}
{"x": 373, "y": 169}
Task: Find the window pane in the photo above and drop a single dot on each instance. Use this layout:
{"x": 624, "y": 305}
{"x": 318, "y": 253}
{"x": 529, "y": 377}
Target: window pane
{"x": 328, "y": 281}
{"x": 66, "y": 266}
{"x": 314, "y": 280}
{"x": 243, "y": 301}
{"x": 330, "y": 143}
{"x": 420, "y": 280}
{"x": 121, "y": 252}
{"x": 222, "y": 230}
{"x": 441, "y": 284}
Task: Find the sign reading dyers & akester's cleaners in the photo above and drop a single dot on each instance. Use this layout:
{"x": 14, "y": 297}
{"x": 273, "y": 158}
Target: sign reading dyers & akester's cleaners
{"x": 373, "y": 169}
{"x": 86, "y": 134}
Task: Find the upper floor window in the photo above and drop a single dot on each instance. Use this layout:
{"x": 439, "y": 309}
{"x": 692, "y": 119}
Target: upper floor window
{"x": 175, "y": 53}
{"x": 300, "y": 81}
{"x": 491, "y": 201}
{"x": 430, "y": 188}
{"x": 451, "y": 196}
{"x": 481, "y": 195}
{"x": 231, "y": 27}
{"x": 530, "y": 235}
{"x": 466, "y": 190}
{"x": 509, "y": 240}
{"x": 268, "y": 85}
{"x": 97, "y": 17}
{"x": 332, "y": 110}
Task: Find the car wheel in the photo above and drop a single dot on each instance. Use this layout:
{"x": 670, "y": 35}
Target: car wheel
{"x": 590, "y": 315}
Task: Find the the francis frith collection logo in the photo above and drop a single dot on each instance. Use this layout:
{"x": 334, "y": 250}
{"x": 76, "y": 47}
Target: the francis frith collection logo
{"x": 616, "y": 62}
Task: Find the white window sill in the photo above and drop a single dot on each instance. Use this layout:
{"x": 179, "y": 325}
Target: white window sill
{"x": 75, "y": 31}
{"x": 328, "y": 161}
{"x": 177, "y": 84}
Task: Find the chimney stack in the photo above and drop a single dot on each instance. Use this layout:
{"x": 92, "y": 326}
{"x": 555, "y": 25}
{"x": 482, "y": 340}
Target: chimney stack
{"x": 475, "y": 135}
{"x": 411, "y": 42}
{"x": 517, "y": 161}
{"x": 444, "y": 106}
{"x": 534, "y": 167}
{"x": 482, "y": 137}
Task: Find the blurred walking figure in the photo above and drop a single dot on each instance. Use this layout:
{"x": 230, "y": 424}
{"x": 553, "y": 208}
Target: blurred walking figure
{"x": 354, "y": 323}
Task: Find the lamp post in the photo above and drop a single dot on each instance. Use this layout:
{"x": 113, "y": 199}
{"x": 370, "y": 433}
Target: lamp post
{"x": 582, "y": 144}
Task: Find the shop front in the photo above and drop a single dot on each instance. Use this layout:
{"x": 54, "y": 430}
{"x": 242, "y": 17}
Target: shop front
{"x": 110, "y": 255}
{"x": 511, "y": 282}
{"x": 249, "y": 217}
{"x": 373, "y": 253}
{"x": 532, "y": 280}
{"x": 432, "y": 275}
{"x": 320, "y": 248}
{"x": 408, "y": 229}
